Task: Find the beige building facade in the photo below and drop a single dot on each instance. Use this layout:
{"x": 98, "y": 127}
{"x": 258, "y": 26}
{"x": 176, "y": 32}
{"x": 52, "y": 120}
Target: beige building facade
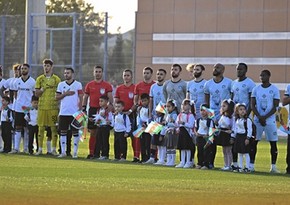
{"x": 256, "y": 32}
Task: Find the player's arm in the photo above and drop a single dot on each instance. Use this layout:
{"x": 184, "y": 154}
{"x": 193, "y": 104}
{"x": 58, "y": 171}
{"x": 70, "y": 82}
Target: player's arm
{"x": 286, "y": 100}
{"x": 187, "y": 95}
{"x": 249, "y": 108}
{"x": 85, "y": 101}
{"x": 253, "y": 107}
{"x": 80, "y": 95}
{"x": 274, "y": 108}
{"x": 206, "y": 99}
{"x": 150, "y": 107}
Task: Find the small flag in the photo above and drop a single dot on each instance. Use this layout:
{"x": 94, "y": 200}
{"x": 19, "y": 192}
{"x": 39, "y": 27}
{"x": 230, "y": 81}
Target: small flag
{"x": 210, "y": 112}
{"x": 80, "y": 116}
{"x": 153, "y": 128}
{"x": 210, "y": 139}
{"x": 26, "y": 109}
{"x": 137, "y": 133}
{"x": 161, "y": 108}
{"x": 284, "y": 129}
{"x": 99, "y": 119}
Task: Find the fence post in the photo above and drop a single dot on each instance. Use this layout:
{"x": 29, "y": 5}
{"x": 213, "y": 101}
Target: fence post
{"x": 106, "y": 46}
{"x": 81, "y": 55}
{"x": 3, "y": 25}
{"x": 73, "y": 61}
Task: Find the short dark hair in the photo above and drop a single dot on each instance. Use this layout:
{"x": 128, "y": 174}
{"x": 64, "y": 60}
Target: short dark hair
{"x": 144, "y": 96}
{"x": 243, "y": 64}
{"x": 120, "y": 102}
{"x": 128, "y": 70}
{"x": 104, "y": 97}
{"x": 161, "y": 69}
{"x": 6, "y": 98}
{"x": 148, "y": 68}
{"x": 266, "y": 72}
{"x": 204, "y": 105}
{"x": 200, "y": 65}
{"x": 70, "y": 68}
{"x": 99, "y": 67}
{"x": 34, "y": 98}
{"x": 25, "y": 64}
{"x": 47, "y": 61}
{"x": 177, "y": 65}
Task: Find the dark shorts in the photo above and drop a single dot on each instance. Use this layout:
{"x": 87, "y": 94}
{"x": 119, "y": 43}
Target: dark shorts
{"x": 65, "y": 123}
{"x": 19, "y": 119}
{"x": 92, "y": 111}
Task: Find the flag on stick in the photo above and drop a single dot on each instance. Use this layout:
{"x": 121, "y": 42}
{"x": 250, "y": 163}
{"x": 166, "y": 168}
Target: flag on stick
{"x": 161, "y": 108}
{"x": 153, "y": 128}
{"x": 137, "y": 133}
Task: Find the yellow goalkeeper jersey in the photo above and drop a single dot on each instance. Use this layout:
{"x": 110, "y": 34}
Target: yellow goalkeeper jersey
{"x": 47, "y": 100}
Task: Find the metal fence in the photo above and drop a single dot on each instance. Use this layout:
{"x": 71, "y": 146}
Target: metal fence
{"x": 67, "y": 45}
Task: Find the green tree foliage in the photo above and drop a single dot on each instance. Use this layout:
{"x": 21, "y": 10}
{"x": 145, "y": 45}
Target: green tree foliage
{"x": 12, "y": 7}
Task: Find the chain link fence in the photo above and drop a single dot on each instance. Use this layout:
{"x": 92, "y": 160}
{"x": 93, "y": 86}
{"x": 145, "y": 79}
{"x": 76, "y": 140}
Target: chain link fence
{"x": 68, "y": 44}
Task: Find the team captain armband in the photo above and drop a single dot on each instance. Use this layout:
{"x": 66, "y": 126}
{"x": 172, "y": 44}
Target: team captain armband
{"x": 80, "y": 92}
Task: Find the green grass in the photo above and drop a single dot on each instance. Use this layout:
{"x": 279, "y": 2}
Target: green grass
{"x": 47, "y": 180}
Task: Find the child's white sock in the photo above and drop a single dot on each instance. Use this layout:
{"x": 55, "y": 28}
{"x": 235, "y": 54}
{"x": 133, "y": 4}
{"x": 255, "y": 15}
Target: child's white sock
{"x": 188, "y": 156}
{"x": 76, "y": 143}
{"x": 25, "y": 139}
{"x": 17, "y": 140}
{"x": 247, "y": 156}
{"x": 63, "y": 144}
{"x": 182, "y": 156}
{"x": 240, "y": 158}
{"x": 48, "y": 145}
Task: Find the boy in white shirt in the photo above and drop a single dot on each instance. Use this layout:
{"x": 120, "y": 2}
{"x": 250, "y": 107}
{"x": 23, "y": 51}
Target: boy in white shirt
{"x": 31, "y": 118}
{"x": 122, "y": 127}
{"x": 6, "y": 124}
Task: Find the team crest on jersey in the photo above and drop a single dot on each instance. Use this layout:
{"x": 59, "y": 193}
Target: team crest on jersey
{"x": 130, "y": 95}
{"x": 244, "y": 85}
{"x": 271, "y": 91}
{"x": 223, "y": 86}
{"x": 102, "y": 91}
{"x": 201, "y": 87}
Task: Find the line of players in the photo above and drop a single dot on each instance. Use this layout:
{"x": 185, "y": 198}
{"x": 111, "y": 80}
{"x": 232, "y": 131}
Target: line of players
{"x": 262, "y": 100}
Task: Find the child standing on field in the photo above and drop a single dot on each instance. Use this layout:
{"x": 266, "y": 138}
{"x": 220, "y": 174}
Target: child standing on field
{"x": 223, "y": 138}
{"x": 6, "y": 124}
{"x": 243, "y": 133}
{"x": 202, "y": 128}
{"x": 157, "y": 141}
{"x": 31, "y": 118}
{"x": 171, "y": 138}
{"x": 185, "y": 123}
{"x": 122, "y": 126}
{"x": 142, "y": 121}
{"x": 103, "y": 129}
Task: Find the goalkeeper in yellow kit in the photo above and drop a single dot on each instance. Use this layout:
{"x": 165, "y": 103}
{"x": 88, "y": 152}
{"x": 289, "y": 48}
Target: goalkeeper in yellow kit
{"x": 48, "y": 109}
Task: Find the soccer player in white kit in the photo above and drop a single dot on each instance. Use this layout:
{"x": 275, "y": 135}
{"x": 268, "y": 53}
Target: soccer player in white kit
{"x": 70, "y": 95}
{"x": 25, "y": 87}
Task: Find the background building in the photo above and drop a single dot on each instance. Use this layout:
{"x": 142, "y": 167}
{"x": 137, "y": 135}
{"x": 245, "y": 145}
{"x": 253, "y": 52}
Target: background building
{"x": 210, "y": 31}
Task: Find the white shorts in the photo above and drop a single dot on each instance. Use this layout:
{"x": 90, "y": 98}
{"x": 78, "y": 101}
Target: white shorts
{"x": 270, "y": 131}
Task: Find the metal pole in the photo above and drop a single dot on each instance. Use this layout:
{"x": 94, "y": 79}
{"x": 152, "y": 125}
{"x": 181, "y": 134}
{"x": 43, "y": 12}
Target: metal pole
{"x": 81, "y": 55}
{"x": 50, "y": 44}
{"x": 73, "y": 42}
{"x": 106, "y": 46}
{"x": 3, "y": 25}
{"x": 30, "y": 43}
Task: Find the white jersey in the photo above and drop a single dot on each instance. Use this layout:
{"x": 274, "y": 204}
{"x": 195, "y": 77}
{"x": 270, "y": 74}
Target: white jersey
{"x": 156, "y": 93}
{"x": 218, "y": 92}
{"x": 25, "y": 90}
{"x": 196, "y": 93}
{"x": 10, "y": 84}
{"x": 241, "y": 90}
{"x": 264, "y": 100}
{"x": 2, "y": 82}
{"x": 69, "y": 104}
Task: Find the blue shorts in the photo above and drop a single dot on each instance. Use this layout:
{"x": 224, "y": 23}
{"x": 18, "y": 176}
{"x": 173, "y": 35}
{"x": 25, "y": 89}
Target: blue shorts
{"x": 270, "y": 131}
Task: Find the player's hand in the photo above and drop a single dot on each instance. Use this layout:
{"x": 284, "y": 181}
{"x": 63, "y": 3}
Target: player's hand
{"x": 91, "y": 119}
{"x": 68, "y": 93}
{"x": 247, "y": 141}
{"x": 126, "y": 135}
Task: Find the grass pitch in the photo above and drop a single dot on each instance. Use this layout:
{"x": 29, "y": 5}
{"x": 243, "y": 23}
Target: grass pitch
{"x": 28, "y": 179}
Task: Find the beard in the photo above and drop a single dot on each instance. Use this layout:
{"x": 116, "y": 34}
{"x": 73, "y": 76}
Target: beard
{"x": 197, "y": 75}
{"x": 174, "y": 75}
{"x": 215, "y": 73}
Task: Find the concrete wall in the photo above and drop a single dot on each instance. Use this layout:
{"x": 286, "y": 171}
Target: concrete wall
{"x": 256, "y": 32}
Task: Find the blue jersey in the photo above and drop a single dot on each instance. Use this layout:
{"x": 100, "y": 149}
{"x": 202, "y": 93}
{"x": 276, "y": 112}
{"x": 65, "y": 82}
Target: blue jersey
{"x": 196, "y": 93}
{"x": 218, "y": 92}
{"x": 241, "y": 90}
{"x": 156, "y": 93}
{"x": 265, "y": 100}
